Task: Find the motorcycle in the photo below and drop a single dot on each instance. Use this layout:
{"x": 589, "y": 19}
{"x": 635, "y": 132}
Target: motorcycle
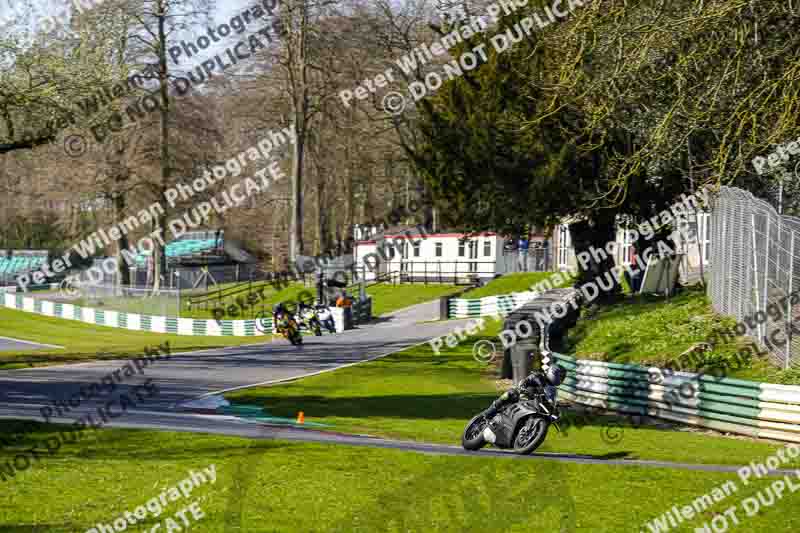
{"x": 326, "y": 318}
{"x": 307, "y": 318}
{"x": 286, "y": 326}
{"x": 521, "y": 426}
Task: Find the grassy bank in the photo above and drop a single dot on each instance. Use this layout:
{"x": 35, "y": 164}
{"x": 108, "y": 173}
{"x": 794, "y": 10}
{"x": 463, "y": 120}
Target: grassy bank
{"x": 650, "y": 330}
{"x": 269, "y": 486}
{"x": 387, "y": 298}
{"x": 509, "y": 283}
{"x": 86, "y": 342}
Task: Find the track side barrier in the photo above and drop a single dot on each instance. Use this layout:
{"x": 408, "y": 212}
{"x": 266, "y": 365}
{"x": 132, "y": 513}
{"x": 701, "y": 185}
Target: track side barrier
{"x": 761, "y": 410}
{"x": 137, "y": 322}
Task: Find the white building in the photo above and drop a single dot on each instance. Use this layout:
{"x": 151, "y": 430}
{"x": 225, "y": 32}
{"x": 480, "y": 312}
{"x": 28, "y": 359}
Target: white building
{"x": 411, "y": 254}
{"x": 686, "y": 238}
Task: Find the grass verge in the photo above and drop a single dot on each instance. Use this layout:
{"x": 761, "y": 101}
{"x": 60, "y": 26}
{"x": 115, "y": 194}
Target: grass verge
{"x": 85, "y": 342}
{"x": 269, "y": 486}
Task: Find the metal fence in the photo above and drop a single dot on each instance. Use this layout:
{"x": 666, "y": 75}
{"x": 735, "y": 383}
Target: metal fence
{"x": 532, "y": 260}
{"x": 139, "y": 300}
{"x": 755, "y": 266}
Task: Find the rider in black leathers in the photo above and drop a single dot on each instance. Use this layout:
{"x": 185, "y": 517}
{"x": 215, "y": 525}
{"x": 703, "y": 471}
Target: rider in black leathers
{"x": 537, "y": 382}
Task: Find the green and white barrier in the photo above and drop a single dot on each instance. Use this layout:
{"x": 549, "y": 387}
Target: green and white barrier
{"x": 488, "y": 306}
{"x": 137, "y": 322}
{"x": 761, "y": 410}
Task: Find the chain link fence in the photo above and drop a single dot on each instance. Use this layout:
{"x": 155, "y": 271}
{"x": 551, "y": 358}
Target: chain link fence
{"x": 755, "y": 267}
{"x": 127, "y": 299}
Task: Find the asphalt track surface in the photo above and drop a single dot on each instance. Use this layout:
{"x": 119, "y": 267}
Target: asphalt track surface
{"x": 184, "y": 377}
{"x": 8, "y": 344}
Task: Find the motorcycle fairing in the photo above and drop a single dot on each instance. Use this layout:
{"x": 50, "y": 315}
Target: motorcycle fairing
{"x": 505, "y": 423}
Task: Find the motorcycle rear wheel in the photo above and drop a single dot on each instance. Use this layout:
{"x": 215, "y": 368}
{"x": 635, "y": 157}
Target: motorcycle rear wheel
{"x": 472, "y": 439}
{"x": 295, "y": 337}
{"x": 530, "y": 435}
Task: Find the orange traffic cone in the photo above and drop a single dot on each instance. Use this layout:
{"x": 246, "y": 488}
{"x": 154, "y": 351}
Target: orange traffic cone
{"x": 301, "y": 417}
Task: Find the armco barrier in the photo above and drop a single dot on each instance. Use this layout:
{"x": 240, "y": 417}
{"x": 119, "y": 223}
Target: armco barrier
{"x": 119, "y": 319}
{"x": 488, "y": 306}
{"x": 760, "y": 410}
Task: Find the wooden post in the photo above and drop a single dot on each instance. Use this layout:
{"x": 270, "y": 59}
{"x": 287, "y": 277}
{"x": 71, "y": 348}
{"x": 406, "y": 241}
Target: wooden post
{"x": 789, "y": 317}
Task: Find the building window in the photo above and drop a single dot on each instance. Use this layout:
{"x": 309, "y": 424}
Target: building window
{"x": 473, "y": 254}
{"x": 626, "y": 246}
{"x": 438, "y": 249}
{"x": 564, "y": 245}
{"x": 391, "y": 252}
{"x": 487, "y": 248}
{"x": 461, "y": 248}
{"x": 416, "y": 249}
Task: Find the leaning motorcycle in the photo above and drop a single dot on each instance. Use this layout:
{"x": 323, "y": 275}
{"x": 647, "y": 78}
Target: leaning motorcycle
{"x": 311, "y": 321}
{"x": 521, "y": 427}
{"x": 289, "y": 329}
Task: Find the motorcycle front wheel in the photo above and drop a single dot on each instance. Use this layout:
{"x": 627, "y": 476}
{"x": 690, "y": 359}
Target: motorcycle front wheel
{"x": 530, "y": 435}
{"x": 472, "y": 439}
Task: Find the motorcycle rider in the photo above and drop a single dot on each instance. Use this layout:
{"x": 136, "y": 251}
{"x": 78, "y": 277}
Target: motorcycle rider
{"x": 537, "y": 382}
{"x": 281, "y": 315}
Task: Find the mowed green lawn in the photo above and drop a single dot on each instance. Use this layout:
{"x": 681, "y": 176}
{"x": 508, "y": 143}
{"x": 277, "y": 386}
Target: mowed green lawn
{"x": 85, "y": 342}
{"x": 275, "y": 486}
{"x": 387, "y": 297}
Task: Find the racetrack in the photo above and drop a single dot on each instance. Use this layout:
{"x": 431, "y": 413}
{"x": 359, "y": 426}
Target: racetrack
{"x": 188, "y": 376}
{"x": 8, "y": 344}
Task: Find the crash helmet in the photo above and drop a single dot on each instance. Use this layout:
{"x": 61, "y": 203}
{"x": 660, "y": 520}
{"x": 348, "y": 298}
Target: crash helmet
{"x": 555, "y": 375}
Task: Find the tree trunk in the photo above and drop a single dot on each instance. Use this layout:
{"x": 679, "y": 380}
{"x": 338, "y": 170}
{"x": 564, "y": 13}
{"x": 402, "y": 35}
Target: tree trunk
{"x": 296, "y": 228}
{"x": 159, "y": 259}
{"x": 122, "y": 242}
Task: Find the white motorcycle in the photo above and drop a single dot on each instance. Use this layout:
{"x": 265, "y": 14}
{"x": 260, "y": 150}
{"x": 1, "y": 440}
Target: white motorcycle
{"x": 326, "y": 318}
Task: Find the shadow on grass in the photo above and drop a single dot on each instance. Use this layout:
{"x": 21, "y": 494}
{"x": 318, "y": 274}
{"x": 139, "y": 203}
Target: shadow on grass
{"x": 133, "y": 444}
{"x": 430, "y": 407}
{"x": 19, "y": 528}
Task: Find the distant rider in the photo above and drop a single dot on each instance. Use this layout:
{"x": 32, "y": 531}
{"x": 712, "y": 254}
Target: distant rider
{"x": 281, "y": 316}
{"x": 537, "y": 383}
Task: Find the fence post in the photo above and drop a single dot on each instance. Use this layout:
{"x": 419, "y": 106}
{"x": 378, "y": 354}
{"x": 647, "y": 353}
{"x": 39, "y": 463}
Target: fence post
{"x": 755, "y": 273}
{"x": 789, "y": 307}
{"x": 766, "y": 276}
